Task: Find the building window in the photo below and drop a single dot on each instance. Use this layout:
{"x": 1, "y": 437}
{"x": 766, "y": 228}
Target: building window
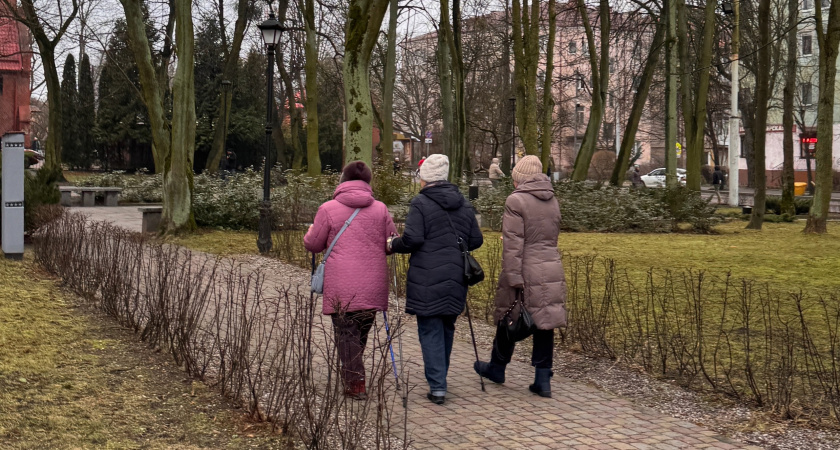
{"x": 807, "y": 5}
{"x": 1, "y": 85}
{"x": 825, "y": 4}
{"x": 806, "y": 49}
{"x": 637, "y": 81}
{"x": 543, "y": 44}
{"x": 578, "y": 114}
{"x": 609, "y": 131}
{"x": 805, "y": 92}
{"x": 583, "y": 46}
{"x": 612, "y": 65}
{"x": 573, "y": 47}
{"x": 611, "y": 99}
{"x": 807, "y": 147}
{"x": 580, "y": 85}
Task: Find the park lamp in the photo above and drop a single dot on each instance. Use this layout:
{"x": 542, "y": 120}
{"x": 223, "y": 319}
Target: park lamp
{"x": 271, "y": 31}
{"x": 727, "y": 8}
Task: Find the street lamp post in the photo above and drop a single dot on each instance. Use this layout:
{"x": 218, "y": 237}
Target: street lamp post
{"x": 271, "y": 30}
{"x": 734, "y": 118}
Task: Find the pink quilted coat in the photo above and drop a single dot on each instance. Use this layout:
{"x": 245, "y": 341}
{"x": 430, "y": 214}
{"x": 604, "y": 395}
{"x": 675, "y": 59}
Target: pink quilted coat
{"x": 356, "y": 273}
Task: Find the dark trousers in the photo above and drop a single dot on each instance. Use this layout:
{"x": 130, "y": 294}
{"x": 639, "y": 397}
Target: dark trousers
{"x": 436, "y": 334}
{"x": 542, "y": 355}
{"x": 351, "y": 332}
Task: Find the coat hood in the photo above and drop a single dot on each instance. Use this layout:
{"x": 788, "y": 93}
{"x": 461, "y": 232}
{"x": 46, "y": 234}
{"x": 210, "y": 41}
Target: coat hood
{"x": 537, "y": 185}
{"x": 355, "y": 194}
{"x": 444, "y": 194}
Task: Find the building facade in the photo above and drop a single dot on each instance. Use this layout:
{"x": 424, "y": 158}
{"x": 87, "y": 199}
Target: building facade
{"x": 15, "y": 77}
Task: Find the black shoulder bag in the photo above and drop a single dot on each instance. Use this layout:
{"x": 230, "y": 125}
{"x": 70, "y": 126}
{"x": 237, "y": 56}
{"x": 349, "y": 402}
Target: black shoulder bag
{"x": 473, "y": 273}
{"x": 524, "y": 326}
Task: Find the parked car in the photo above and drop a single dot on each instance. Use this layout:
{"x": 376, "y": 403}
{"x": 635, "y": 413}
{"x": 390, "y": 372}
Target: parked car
{"x": 656, "y": 178}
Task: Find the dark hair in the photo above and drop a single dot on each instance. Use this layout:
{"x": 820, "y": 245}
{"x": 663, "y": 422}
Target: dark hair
{"x": 717, "y": 167}
{"x": 356, "y": 170}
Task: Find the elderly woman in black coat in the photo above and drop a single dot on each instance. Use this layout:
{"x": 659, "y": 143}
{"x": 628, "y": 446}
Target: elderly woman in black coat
{"x": 437, "y": 293}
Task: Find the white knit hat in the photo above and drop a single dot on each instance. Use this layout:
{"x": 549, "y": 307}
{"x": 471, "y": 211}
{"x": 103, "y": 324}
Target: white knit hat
{"x": 435, "y": 168}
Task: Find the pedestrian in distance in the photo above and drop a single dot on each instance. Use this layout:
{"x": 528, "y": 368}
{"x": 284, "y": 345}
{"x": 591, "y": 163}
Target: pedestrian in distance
{"x": 495, "y": 173}
{"x": 636, "y": 178}
{"x": 356, "y": 270}
{"x": 397, "y": 166}
{"x": 228, "y": 163}
{"x": 531, "y": 277}
{"x": 718, "y": 179}
{"x": 436, "y": 292}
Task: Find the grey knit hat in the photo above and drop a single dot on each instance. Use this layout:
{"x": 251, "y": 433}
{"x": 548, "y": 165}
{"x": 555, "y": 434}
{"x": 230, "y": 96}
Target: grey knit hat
{"x": 435, "y": 168}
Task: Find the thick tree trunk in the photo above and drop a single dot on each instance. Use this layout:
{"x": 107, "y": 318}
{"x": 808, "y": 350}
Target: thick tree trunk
{"x": 788, "y": 207}
{"x": 762, "y": 97}
{"x": 461, "y": 159}
{"x": 178, "y": 173}
{"x": 52, "y": 149}
{"x": 696, "y": 142}
{"x": 506, "y": 113}
{"x": 222, "y": 122}
{"x": 390, "y": 81}
{"x": 671, "y": 58}
{"x": 526, "y": 34}
{"x": 364, "y": 19}
{"x": 622, "y": 163}
{"x": 829, "y": 42}
{"x": 447, "y": 94}
{"x": 600, "y": 85}
{"x": 548, "y": 91}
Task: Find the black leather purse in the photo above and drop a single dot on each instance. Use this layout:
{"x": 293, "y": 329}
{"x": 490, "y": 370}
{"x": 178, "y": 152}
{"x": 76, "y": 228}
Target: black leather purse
{"x": 473, "y": 273}
{"x": 522, "y": 327}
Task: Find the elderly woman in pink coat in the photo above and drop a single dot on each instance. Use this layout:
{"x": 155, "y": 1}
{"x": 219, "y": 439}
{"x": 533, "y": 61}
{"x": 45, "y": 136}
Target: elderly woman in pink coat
{"x": 356, "y": 272}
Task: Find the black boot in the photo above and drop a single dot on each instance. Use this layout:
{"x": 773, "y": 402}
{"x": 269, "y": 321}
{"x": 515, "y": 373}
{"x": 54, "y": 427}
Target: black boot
{"x": 492, "y": 372}
{"x": 542, "y": 383}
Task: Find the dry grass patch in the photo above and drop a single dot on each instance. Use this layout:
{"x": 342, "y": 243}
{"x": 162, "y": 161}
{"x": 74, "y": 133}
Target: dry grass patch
{"x": 72, "y": 379}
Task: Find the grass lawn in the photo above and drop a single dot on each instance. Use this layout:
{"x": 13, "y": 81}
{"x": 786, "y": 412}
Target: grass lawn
{"x": 72, "y": 379}
{"x": 779, "y": 254}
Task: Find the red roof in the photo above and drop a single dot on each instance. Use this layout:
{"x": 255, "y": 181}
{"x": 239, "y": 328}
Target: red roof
{"x": 10, "y": 55}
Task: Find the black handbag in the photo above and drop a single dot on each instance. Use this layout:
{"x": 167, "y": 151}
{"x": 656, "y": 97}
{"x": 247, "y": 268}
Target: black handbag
{"x": 473, "y": 273}
{"x": 522, "y": 327}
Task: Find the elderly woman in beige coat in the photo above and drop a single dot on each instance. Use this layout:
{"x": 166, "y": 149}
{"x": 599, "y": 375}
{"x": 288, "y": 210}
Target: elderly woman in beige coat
{"x": 532, "y": 272}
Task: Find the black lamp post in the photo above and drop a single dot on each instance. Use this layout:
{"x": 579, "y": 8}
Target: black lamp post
{"x": 271, "y": 30}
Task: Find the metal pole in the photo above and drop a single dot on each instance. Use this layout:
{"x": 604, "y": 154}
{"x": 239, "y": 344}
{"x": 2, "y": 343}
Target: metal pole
{"x": 264, "y": 240}
{"x": 734, "y": 116}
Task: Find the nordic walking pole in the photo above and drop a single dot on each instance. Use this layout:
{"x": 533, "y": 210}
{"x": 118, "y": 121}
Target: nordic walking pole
{"x": 391, "y": 348}
{"x": 475, "y": 347}
{"x": 399, "y": 323}
{"x": 309, "y": 326}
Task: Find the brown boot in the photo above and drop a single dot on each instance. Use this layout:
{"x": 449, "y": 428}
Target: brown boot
{"x": 355, "y": 390}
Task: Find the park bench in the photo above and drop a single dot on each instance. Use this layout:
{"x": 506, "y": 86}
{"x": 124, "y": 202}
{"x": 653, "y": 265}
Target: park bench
{"x": 112, "y": 194}
{"x": 151, "y": 218}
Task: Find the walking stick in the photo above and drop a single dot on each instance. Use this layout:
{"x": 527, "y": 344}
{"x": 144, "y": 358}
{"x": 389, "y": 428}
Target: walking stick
{"x": 309, "y": 326}
{"x": 399, "y": 335}
{"x": 475, "y": 347}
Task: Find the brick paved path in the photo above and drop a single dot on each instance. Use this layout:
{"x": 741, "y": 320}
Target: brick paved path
{"x": 509, "y": 416}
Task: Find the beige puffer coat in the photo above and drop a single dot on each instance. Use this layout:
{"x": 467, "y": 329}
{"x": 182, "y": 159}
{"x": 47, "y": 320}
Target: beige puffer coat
{"x": 530, "y": 259}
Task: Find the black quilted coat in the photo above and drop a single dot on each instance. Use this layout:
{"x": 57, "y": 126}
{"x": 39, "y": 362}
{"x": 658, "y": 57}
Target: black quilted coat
{"x": 436, "y": 268}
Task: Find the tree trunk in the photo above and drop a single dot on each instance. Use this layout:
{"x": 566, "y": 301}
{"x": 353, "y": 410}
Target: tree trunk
{"x": 526, "y": 34}
{"x": 695, "y": 142}
{"x": 461, "y": 159}
{"x": 295, "y": 119}
{"x": 671, "y": 95}
{"x": 548, "y": 91}
{"x": 600, "y": 85}
{"x": 364, "y": 19}
{"x": 829, "y": 42}
{"x": 52, "y": 149}
{"x": 788, "y": 206}
{"x": 447, "y": 93}
{"x": 390, "y": 82}
{"x": 228, "y": 73}
{"x": 762, "y": 95}
{"x": 622, "y": 163}
{"x": 506, "y": 113}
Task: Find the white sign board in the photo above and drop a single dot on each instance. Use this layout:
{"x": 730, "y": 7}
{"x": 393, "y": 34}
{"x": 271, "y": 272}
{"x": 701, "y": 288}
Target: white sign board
{"x": 428, "y": 141}
{"x": 12, "y": 198}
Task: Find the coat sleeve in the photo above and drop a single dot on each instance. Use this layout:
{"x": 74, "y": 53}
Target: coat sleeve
{"x": 414, "y": 234}
{"x": 513, "y": 244}
{"x": 315, "y": 239}
{"x": 390, "y": 229}
{"x": 476, "y": 238}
